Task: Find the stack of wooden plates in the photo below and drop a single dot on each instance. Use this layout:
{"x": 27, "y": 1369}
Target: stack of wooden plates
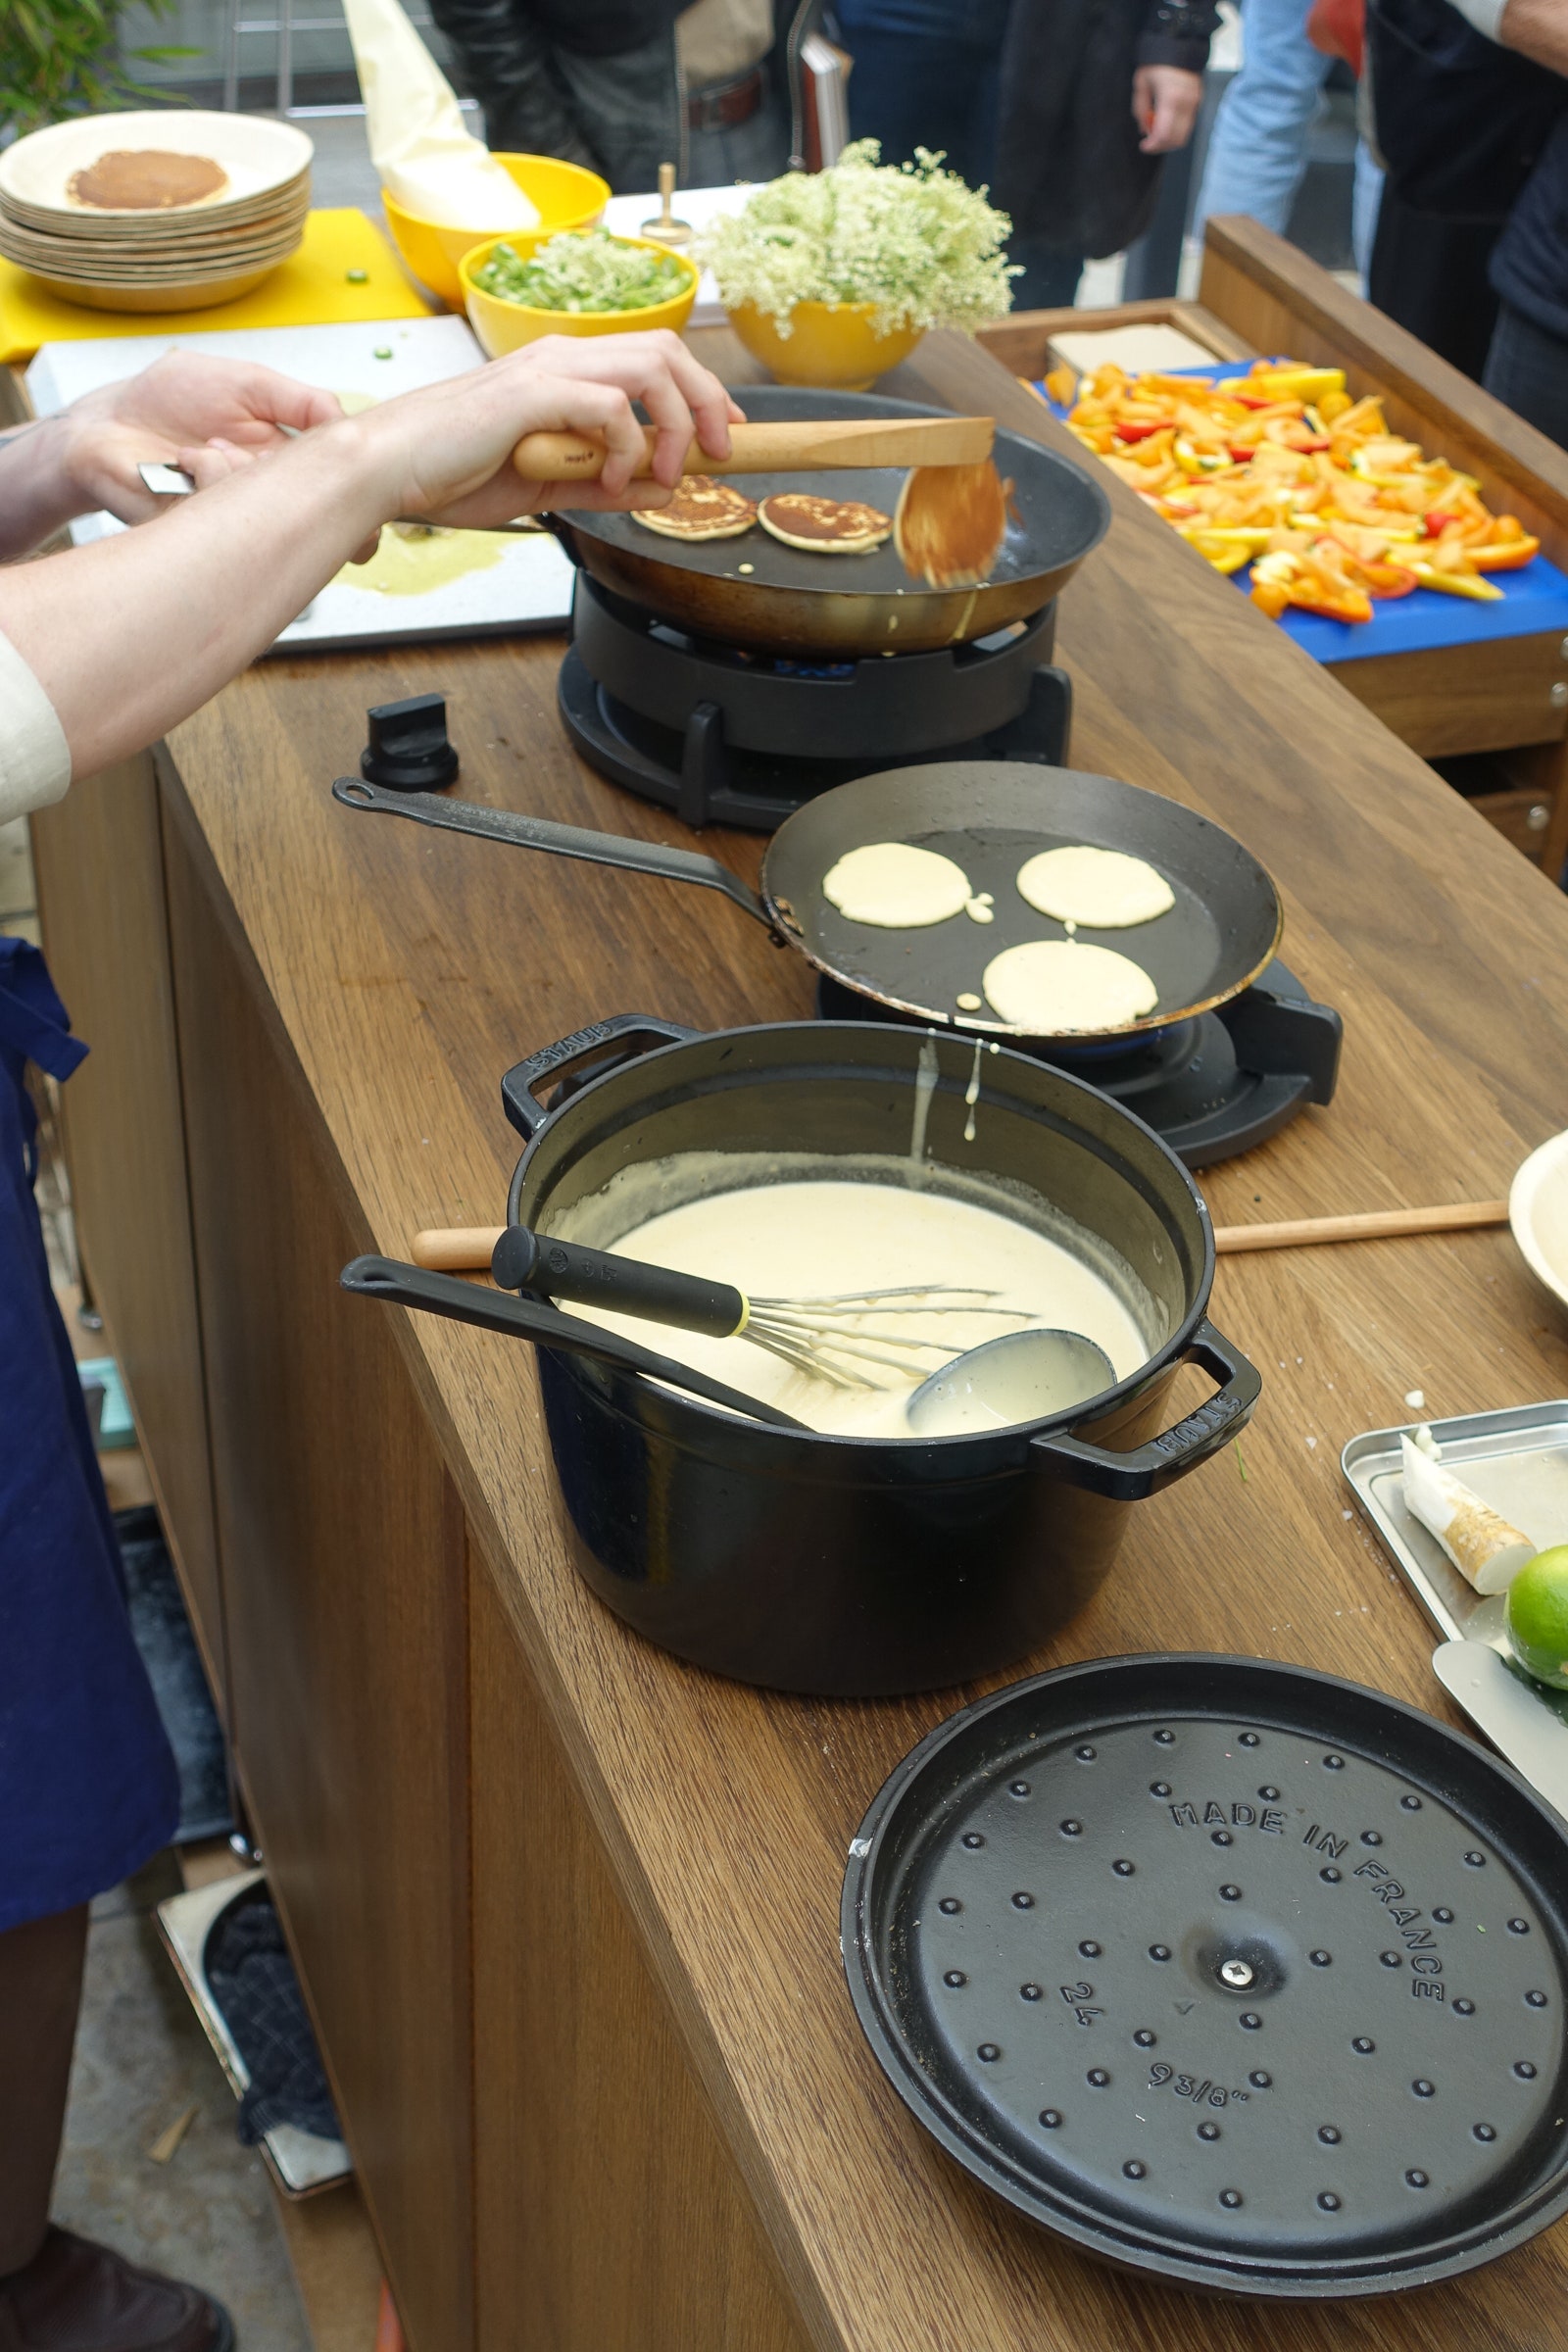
{"x": 154, "y": 212}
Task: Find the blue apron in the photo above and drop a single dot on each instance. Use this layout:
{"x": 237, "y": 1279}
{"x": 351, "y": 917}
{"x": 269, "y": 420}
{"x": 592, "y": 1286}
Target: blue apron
{"x": 88, "y": 1789}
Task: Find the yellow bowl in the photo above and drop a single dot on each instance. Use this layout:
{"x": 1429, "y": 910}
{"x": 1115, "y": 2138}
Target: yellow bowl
{"x": 506, "y": 326}
{"x": 566, "y": 197}
{"x": 831, "y": 343}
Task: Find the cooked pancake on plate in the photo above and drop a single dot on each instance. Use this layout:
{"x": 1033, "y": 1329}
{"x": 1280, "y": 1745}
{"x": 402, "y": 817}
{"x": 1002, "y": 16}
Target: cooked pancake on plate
{"x": 129, "y": 180}
{"x": 700, "y": 510}
{"x": 823, "y": 527}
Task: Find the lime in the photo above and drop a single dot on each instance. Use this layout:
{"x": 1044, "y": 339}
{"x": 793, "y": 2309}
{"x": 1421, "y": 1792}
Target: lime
{"x": 1537, "y": 1616}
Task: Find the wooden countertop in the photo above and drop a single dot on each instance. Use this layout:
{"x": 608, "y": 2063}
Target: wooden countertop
{"x": 405, "y": 971}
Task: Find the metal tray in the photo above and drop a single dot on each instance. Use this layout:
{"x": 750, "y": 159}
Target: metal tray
{"x": 1517, "y": 1460}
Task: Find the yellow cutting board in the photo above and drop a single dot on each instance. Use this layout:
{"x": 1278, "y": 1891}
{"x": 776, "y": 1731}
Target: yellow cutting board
{"x": 309, "y": 289}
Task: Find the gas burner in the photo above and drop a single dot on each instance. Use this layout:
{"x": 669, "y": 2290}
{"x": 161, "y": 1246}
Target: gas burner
{"x": 1213, "y": 1086}
{"x": 730, "y": 738}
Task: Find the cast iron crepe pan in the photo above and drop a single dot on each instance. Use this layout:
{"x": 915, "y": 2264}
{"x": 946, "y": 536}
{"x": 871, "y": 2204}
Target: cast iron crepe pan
{"x": 794, "y": 602}
{"x": 1225, "y": 1970}
{"x": 987, "y": 815}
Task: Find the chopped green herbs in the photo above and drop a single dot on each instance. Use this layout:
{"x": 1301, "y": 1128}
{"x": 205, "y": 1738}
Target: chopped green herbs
{"x": 917, "y": 242}
{"x": 586, "y": 270}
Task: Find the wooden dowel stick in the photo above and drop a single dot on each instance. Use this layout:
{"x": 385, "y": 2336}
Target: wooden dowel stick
{"x": 456, "y": 1249}
{"x": 1379, "y": 1224}
{"x": 465, "y": 1248}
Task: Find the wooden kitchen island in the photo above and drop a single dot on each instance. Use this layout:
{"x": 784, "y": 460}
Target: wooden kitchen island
{"x": 566, "y": 1911}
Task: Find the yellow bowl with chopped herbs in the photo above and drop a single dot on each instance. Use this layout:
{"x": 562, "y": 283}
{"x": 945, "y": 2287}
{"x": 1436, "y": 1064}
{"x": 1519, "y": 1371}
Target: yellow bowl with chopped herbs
{"x": 581, "y": 283}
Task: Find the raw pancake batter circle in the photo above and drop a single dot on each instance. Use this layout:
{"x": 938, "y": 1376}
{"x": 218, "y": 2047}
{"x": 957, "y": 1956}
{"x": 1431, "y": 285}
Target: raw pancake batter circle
{"x": 1103, "y": 889}
{"x": 896, "y": 887}
{"x": 1059, "y": 987}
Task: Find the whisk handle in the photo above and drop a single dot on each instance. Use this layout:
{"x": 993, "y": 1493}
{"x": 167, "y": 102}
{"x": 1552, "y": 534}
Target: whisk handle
{"x": 523, "y": 1260}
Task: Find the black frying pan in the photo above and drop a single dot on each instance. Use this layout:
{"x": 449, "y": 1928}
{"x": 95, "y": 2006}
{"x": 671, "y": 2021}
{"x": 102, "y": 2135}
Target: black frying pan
{"x": 987, "y": 815}
{"x": 794, "y": 602}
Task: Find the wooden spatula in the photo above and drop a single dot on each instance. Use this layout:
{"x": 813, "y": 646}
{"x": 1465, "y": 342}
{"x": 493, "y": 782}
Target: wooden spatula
{"x": 787, "y": 446}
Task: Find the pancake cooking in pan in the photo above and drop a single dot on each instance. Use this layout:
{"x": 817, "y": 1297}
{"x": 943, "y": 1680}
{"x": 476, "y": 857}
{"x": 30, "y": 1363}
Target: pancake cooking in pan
{"x": 825, "y": 526}
{"x": 699, "y": 509}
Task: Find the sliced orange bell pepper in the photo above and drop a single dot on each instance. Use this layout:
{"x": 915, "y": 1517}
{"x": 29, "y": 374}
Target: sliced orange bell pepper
{"x": 1504, "y": 555}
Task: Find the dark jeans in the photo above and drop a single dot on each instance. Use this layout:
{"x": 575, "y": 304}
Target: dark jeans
{"x": 1527, "y": 368}
{"x": 913, "y": 89}
{"x": 757, "y": 149}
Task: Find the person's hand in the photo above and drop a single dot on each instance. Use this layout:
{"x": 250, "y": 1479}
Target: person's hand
{"x": 207, "y": 415}
{"x": 1165, "y": 104}
{"x": 444, "y": 454}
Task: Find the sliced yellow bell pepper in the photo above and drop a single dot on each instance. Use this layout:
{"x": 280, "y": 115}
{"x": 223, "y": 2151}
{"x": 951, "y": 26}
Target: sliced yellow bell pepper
{"x": 1457, "y": 583}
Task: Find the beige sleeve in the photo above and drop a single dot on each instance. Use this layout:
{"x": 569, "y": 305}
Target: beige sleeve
{"x": 719, "y": 40}
{"x": 34, "y": 755}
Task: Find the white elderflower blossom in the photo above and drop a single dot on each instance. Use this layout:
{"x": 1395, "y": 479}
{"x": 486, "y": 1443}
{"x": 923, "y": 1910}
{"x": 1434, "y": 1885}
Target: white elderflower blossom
{"x": 915, "y": 241}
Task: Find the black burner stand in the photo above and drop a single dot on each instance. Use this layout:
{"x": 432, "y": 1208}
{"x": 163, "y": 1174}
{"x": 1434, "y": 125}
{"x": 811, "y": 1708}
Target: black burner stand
{"x": 731, "y": 738}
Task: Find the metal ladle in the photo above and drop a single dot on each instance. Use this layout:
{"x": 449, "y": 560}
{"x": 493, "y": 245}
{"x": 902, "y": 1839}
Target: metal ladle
{"x": 1024, "y": 1376}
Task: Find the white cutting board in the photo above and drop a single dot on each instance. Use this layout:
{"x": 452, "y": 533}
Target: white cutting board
{"x": 530, "y": 588}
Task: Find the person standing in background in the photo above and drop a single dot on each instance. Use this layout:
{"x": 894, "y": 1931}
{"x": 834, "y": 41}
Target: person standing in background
{"x": 1092, "y": 95}
{"x": 1258, "y": 148}
{"x": 1527, "y": 363}
{"x": 1063, "y": 107}
{"x": 1463, "y": 113}
{"x": 622, "y": 86}
{"x": 737, "y": 112}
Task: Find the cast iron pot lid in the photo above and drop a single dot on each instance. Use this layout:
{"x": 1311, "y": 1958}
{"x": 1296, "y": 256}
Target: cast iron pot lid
{"x": 1225, "y": 1970}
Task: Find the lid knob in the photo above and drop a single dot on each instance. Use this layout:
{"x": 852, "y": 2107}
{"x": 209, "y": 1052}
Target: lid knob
{"x": 409, "y": 750}
{"x": 1236, "y": 1973}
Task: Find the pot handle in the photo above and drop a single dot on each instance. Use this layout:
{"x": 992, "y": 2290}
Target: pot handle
{"x": 517, "y": 1087}
{"x": 562, "y": 841}
{"x": 1145, "y": 1469}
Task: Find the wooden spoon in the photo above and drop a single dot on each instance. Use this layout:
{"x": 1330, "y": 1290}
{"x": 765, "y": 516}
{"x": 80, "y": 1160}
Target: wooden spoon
{"x": 786, "y": 446}
{"x": 466, "y": 1248}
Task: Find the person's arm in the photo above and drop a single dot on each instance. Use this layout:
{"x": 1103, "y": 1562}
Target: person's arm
{"x": 85, "y": 458}
{"x": 130, "y": 635}
{"x": 1537, "y": 29}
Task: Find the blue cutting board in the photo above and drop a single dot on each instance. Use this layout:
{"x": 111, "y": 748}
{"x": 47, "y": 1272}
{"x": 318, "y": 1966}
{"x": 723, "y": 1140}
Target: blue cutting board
{"x": 1533, "y": 597}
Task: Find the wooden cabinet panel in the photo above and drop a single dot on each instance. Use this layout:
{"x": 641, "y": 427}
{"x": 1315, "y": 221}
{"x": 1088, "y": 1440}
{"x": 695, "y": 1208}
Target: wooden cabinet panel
{"x": 342, "y": 1549}
{"x": 610, "y": 2218}
{"x": 1464, "y": 698}
{"x": 98, "y": 856}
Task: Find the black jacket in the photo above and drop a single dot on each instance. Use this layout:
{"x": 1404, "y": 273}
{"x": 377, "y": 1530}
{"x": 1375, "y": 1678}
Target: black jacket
{"x": 590, "y": 27}
{"x": 1530, "y": 264}
{"x": 1068, "y": 169}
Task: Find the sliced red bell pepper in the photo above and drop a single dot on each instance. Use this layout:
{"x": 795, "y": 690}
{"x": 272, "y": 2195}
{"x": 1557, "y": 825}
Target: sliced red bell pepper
{"x": 1142, "y": 432}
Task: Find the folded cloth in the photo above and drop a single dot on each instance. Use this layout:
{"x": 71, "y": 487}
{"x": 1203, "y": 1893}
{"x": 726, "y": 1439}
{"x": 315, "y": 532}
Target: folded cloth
{"x": 253, "y": 1981}
{"x": 427, "y": 162}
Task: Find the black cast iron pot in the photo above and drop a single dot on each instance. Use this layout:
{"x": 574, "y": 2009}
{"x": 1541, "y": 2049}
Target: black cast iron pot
{"x": 857, "y": 1567}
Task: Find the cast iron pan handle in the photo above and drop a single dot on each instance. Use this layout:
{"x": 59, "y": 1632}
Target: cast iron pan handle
{"x": 523, "y": 1261}
{"x": 1128, "y": 1476}
{"x": 517, "y": 1087}
{"x": 562, "y": 841}
{"x": 524, "y": 1319}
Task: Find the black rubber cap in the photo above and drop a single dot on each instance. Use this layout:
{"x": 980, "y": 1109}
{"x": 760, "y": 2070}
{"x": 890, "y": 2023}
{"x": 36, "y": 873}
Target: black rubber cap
{"x": 409, "y": 750}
